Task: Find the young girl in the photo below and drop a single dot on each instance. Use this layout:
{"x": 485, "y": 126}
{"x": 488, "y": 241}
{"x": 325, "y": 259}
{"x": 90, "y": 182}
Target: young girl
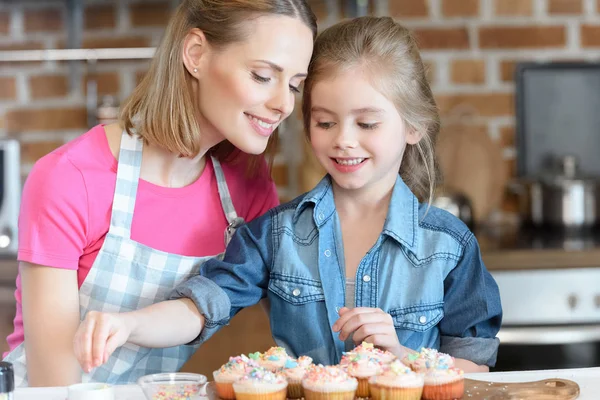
{"x": 92, "y": 236}
{"x": 360, "y": 257}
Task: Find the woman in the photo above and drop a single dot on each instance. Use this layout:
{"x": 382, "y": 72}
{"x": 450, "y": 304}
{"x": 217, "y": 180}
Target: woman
{"x": 115, "y": 219}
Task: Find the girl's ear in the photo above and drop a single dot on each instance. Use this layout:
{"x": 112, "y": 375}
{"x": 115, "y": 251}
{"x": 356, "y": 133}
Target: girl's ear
{"x": 195, "y": 48}
{"x": 413, "y": 136}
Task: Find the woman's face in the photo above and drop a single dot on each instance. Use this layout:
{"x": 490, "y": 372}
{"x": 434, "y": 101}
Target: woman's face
{"x": 247, "y": 88}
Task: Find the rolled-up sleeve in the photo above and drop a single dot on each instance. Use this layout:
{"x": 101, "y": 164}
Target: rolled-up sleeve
{"x": 239, "y": 280}
{"x": 472, "y": 310}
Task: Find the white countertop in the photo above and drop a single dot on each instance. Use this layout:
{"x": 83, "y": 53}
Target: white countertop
{"x": 588, "y": 380}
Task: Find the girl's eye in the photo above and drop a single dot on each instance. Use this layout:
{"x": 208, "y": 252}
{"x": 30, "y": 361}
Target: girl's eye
{"x": 259, "y": 78}
{"x": 367, "y": 126}
{"x": 324, "y": 125}
{"x": 294, "y": 89}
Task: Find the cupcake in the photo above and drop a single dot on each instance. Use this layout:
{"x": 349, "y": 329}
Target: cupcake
{"x": 396, "y": 382}
{"x": 273, "y": 359}
{"x": 328, "y": 383}
{"x": 444, "y": 384}
{"x": 224, "y": 377}
{"x": 442, "y": 380}
{"x": 260, "y": 384}
{"x": 361, "y": 366}
{"x": 367, "y": 348}
{"x": 294, "y": 371}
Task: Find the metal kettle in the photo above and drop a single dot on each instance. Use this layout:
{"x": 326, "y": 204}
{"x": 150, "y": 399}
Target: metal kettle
{"x": 457, "y": 204}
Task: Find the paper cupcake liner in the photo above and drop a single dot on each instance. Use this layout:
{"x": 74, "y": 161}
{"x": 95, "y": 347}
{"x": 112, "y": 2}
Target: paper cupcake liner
{"x": 225, "y": 390}
{"x": 363, "y": 388}
{"x": 314, "y": 395}
{"x": 295, "y": 390}
{"x": 445, "y": 391}
{"x": 379, "y": 392}
{"x": 278, "y": 395}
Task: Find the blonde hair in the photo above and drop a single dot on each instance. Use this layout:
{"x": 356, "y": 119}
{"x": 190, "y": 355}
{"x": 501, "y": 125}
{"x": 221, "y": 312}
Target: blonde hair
{"x": 389, "y": 52}
{"x": 161, "y": 109}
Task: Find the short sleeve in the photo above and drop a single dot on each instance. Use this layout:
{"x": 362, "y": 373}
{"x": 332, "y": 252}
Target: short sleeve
{"x": 472, "y": 310}
{"x": 53, "y": 220}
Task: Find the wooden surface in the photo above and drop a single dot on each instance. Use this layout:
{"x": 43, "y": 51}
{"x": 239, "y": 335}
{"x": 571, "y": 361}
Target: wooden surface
{"x": 548, "y": 389}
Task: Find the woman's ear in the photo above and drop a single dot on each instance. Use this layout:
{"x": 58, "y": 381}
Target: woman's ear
{"x": 195, "y": 48}
{"x": 413, "y": 136}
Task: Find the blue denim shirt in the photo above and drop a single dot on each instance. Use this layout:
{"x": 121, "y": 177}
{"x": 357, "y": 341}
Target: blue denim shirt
{"x": 425, "y": 270}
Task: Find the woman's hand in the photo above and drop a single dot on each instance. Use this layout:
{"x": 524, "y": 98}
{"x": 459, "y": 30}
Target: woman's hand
{"x": 98, "y": 336}
{"x": 371, "y": 325}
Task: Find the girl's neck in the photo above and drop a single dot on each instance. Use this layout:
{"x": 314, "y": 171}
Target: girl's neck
{"x": 361, "y": 203}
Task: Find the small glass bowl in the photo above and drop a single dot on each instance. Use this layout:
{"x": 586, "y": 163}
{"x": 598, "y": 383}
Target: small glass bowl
{"x": 173, "y": 386}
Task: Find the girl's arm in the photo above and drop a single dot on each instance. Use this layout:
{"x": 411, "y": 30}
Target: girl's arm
{"x": 50, "y": 299}
{"x": 164, "y": 324}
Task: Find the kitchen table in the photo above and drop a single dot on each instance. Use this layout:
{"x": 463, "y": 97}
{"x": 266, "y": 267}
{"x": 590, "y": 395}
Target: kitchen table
{"x": 588, "y": 380}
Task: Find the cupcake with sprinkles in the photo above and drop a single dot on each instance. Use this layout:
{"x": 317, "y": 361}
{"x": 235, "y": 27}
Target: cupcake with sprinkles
{"x": 361, "y": 366}
{"x": 273, "y": 359}
{"x": 442, "y": 380}
{"x": 260, "y": 384}
{"x": 328, "y": 383}
{"x": 368, "y": 349}
{"x": 396, "y": 382}
{"x": 229, "y": 372}
{"x": 294, "y": 371}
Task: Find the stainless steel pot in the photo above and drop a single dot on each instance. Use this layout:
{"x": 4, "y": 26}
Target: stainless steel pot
{"x": 564, "y": 198}
{"x": 457, "y": 204}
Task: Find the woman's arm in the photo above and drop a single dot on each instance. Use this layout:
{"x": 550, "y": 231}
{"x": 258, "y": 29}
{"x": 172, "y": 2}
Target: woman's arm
{"x": 50, "y": 318}
{"x": 164, "y": 324}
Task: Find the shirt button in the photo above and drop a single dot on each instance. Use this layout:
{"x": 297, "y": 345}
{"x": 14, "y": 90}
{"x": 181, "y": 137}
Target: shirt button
{"x": 422, "y": 319}
{"x": 321, "y": 216}
{"x": 296, "y": 292}
{"x": 327, "y": 253}
{"x": 367, "y": 278}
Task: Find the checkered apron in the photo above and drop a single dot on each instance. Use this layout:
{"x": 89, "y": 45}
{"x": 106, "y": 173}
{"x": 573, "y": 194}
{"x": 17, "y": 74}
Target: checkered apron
{"x": 127, "y": 276}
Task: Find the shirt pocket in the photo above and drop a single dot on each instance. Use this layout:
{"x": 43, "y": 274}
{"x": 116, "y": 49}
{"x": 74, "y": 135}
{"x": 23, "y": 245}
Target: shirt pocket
{"x": 295, "y": 290}
{"x": 419, "y": 318}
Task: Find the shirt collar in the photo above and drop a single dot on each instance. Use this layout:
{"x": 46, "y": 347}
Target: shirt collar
{"x": 402, "y": 218}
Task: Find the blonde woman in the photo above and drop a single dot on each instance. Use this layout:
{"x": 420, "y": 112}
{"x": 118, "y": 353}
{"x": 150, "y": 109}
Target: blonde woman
{"x": 115, "y": 219}
{"x": 362, "y": 256}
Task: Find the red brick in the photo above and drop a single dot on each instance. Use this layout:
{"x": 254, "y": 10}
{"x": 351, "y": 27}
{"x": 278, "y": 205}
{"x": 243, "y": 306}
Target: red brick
{"x": 46, "y": 86}
{"x": 460, "y": 8}
{"x": 319, "y": 8}
{"x": 565, "y": 6}
{"x": 94, "y": 42}
{"x": 507, "y": 70}
{"x": 507, "y": 136}
{"x": 590, "y": 35}
{"x": 8, "y": 88}
{"x": 519, "y": 37}
{"x": 4, "y": 23}
{"x": 100, "y": 16}
{"x": 484, "y": 105}
{"x": 442, "y": 38}
{"x": 107, "y": 82}
{"x": 19, "y": 120}
{"x": 280, "y": 175}
{"x": 14, "y": 46}
{"x": 513, "y": 7}
{"x": 43, "y": 20}
{"x": 149, "y": 14}
{"x": 33, "y": 151}
{"x": 467, "y": 71}
{"x": 408, "y": 8}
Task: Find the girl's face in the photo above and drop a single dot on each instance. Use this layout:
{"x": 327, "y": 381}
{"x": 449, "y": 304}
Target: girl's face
{"x": 248, "y": 88}
{"x": 356, "y": 133}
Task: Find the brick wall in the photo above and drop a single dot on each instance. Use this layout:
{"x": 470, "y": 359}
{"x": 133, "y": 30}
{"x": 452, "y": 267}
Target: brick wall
{"x": 470, "y": 47}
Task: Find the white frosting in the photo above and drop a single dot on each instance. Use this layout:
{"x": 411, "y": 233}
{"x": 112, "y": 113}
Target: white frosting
{"x": 331, "y": 386}
{"x": 252, "y": 386}
{"x": 406, "y": 380}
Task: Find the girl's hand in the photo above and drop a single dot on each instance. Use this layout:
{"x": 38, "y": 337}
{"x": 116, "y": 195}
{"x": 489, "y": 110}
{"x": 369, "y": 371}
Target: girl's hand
{"x": 98, "y": 336}
{"x": 371, "y": 325}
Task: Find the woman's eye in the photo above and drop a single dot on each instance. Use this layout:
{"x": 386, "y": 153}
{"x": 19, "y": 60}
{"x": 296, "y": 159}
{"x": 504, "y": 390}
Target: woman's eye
{"x": 259, "y": 78}
{"x": 367, "y": 126}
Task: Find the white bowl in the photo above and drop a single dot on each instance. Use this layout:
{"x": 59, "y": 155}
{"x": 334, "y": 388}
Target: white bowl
{"x": 91, "y": 391}
{"x": 174, "y": 384}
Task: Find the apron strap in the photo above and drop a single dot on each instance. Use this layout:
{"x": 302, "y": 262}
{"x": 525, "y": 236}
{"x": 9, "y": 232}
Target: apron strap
{"x": 128, "y": 174}
{"x": 233, "y": 219}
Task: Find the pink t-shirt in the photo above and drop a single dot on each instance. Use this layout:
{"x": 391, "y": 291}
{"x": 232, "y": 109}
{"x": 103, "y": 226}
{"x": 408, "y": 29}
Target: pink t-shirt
{"x": 66, "y": 208}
